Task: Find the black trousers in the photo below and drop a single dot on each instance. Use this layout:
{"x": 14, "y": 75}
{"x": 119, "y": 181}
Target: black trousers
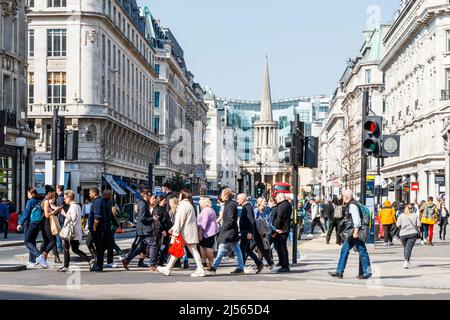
{"x": 90, "y": 245}
{"x": 282, "y": 251}
{"x": 75, "y": 245}
{"x": 49, "y": 243}
{"x": 115, "y": 246}
{"x": 97, "y": 238}
{"x": 4, "y": 226}
{"x": 247, "y": 250}
{"x": 387, "y": 232}
{"x": 443, "y": 228}
{"x": 334, "y": 224}
{"x": 164, "y": 253}
{"x": 317, "y": 222}
{"x": 108, "y": 245}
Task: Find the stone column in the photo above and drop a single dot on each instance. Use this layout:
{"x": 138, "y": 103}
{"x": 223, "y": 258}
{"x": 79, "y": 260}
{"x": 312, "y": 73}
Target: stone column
{"x": 422, "y": 179}
{"x": 432, "y": 192}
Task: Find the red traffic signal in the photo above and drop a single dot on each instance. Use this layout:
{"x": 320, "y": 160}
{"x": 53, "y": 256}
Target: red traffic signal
{"x": 372, "y": 136}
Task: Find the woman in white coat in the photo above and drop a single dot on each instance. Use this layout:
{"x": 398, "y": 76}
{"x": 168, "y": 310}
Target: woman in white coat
{"x": 186, "y": 225}
{"x": 73, "y": 215}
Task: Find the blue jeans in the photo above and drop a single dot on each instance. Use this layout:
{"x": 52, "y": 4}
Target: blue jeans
{"x": 30, "y": 241}
{"x": 364, "y": 261}
{"x": 59, "y": 244}
{"x": 222, "y": 252}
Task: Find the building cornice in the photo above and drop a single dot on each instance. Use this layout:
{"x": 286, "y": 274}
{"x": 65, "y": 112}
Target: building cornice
{"x": 411, "y": 162}
{"x": 361, "y": 88}
{"x": 409, "y": 32}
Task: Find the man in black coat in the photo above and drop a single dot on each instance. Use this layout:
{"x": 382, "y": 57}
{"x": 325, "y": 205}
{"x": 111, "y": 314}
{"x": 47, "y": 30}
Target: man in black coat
{"x": 144, "y": 230}
{"x": 165, "y": 224}
{"x": 229, "y": 234}
{"x": 247, "y": 226}
{"x": 282, "y": 224}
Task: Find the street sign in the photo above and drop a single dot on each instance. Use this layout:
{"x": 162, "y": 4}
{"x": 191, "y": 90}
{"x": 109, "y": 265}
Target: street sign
{"x": 391, "y": 146}
{"x": 414, "y": 186}
{"x": 440, "y": 180}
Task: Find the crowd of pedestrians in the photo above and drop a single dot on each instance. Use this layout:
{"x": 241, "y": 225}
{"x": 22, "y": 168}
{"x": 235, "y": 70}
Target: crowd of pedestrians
{"x": 254, "y": 233}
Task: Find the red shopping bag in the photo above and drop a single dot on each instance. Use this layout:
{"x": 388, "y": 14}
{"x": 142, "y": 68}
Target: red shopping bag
{"x": 177, "y": 248}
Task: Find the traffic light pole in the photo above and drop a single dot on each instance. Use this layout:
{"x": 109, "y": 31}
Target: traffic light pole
{"x": 54, "y": 145}
{"x": 295, "y": 208}
{"x": 365, "y": 110}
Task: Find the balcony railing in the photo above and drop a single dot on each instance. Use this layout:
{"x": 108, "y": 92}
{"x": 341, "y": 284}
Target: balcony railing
{"x": 86, "y": 110}
{"x": 445, "y": 94}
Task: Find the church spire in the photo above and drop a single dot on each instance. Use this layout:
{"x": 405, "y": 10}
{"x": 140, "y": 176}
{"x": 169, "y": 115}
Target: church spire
{"x": 266, "y": 103}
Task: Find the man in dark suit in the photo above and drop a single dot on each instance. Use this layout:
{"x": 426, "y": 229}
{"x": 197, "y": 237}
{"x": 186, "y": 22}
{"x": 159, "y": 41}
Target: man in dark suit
{"x": 282, "y": 223}
{"x": 229, "y": 234}
{"x": 247, "y": 227}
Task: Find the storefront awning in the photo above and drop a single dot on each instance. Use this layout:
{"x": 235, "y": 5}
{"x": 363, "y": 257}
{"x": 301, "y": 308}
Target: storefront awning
{"x": 114, "y": 185}
{"x": 394, "y": 184}
{"x": 125, "y": 185}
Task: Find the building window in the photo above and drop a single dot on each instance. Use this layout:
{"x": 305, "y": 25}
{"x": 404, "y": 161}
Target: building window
{"x": 156, "y": 129}
{"x": 56, "y": 43}
{"x": 384, "y": 105}
{"x": 56, "y": 87}
{"x": 157, "y": 94}
{"x": 109, "y": 53}
{"x": 56, "y": 3}
{"x": 369, "y": 76}
{"x": 448, "y": 40}
{"x": 448, "y": 80}
{"x": 31, "y": 87}
{"x": 31, "y": 43}
{"x": 407, "y": 111}
{"x": 157, "y": 67}
{"x": 31, "y": 3}
{"x": 90, "y": 133}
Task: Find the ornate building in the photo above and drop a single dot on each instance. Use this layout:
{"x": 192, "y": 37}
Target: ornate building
{"x": 416, "y": 65}
{"x": 94, "y": 62}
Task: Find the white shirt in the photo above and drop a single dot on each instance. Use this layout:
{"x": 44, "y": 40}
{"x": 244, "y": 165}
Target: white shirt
{"x": 354, "y": 211}
{"x": 74, "y": 213}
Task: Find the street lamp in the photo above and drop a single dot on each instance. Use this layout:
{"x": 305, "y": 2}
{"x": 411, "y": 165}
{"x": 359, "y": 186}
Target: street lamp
{"x": 21, "y": 143}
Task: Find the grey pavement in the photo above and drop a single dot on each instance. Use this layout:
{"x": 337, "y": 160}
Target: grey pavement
{"x": 428, "y": 279}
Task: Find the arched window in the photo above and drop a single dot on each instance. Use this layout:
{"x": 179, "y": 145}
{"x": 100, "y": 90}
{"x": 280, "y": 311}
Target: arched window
{"x": 91, "y": 133}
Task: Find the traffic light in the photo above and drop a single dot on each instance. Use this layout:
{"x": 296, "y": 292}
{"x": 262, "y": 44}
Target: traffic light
{"x": 295, "y": 144}
{"x": 312, "y": 152}
{"x": 260, "y": 187}
{"x": 372, "y": 136}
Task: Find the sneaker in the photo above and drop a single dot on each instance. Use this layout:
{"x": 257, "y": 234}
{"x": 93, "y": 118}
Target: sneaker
{"x": 310, "y": 236}
{"x": 336, "y": 275}
{"x": 63, "y": 269}
{"x": 211, "y": 269}
{"x": 422, "y": 242}
{"x": 108, "y": 265}
{"x": 121, "y": 258}
{"x": 198, "y": 273}
{"x": 92, "y": 264}
{"x": 153, "y": 268}
{"x": 142, "y": 265}
{"x": 303, "y": 257}
{"x": 283, "y": 270}
{"x": 406, "y": 265}
{"x": 270, "y": 267}
{"x": 163, "y": 270}
{"x": 31, "y": 265}
{"x": 237, "y": 272}
{"x": 386, "y": 244}
{"x": 41, "y": 260}
{"x": 391, "y": 244}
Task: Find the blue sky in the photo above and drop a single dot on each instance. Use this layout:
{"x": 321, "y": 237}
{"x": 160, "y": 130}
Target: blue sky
{"x": 308, "y": 42}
